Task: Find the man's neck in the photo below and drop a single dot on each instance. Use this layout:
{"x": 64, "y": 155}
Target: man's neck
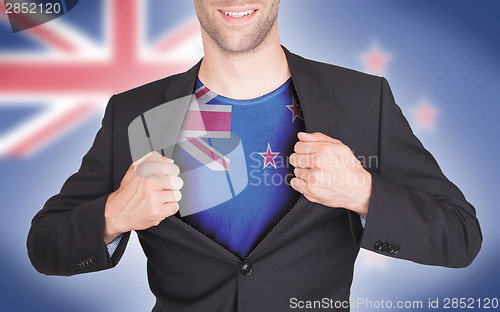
{"x": 244, "y": 76}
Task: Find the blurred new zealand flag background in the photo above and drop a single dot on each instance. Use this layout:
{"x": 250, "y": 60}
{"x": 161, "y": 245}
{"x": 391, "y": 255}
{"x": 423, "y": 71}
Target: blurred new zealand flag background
{"x": 440, "y": 57}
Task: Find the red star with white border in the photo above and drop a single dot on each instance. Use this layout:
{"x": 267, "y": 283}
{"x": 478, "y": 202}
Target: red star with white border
{"x": 296, "y": 110}
{"x": 269, "y": 157}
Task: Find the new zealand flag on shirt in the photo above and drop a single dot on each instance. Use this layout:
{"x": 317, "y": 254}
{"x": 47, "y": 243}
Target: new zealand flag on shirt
{"x": 237, "y": 176}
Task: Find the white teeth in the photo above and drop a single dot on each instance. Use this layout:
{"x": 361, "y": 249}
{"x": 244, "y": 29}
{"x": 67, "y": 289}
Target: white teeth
{"x": 239, "y": 14}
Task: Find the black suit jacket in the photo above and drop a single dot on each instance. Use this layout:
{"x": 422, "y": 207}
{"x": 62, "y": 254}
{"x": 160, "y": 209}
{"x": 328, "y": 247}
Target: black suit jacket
{"x": 415, "y": 212}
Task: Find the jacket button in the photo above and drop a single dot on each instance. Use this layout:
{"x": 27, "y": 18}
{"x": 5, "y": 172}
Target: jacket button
{"x": 93, "y": 260}
{"x": 390, "y": 249}
{"x": 378, "y": 245}
{"x": 246, "y": 269}
{"x": 83, "y": 263}
{"x": 396, "y": 249}
{"x": 385, "y": 245}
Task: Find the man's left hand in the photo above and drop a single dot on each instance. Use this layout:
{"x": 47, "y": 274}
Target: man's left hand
{"x": 327, "y": 172}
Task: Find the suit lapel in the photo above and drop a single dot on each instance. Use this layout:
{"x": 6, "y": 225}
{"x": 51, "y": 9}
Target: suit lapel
{"x": 183, "y": 84}
{"x": 315, "y": 98}
{"x": 178, "y": 96}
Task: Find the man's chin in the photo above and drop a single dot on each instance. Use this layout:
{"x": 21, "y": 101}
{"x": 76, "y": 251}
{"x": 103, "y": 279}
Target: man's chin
{"x": 240, "y": 46}
{"x": 239, "y": 50}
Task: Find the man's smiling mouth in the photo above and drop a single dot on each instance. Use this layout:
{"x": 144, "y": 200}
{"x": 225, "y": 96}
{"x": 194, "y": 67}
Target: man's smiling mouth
{"x": 239, "y": 14}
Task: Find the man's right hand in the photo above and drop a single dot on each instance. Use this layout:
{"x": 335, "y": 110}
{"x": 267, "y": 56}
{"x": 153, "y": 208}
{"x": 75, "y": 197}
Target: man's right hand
{"x": 148, "y": 194}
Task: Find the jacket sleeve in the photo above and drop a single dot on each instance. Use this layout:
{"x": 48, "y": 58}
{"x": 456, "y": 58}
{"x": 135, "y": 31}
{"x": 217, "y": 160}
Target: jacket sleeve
{"x": 415, "y": 212}
{"x": 67, "y": 236}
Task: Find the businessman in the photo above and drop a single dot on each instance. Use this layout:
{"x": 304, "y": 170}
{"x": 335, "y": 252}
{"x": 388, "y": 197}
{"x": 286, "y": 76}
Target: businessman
{"x": 267, "y": 243}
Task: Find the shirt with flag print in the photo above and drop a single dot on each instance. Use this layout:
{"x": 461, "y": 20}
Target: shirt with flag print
{"x": 238, "y": 172}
